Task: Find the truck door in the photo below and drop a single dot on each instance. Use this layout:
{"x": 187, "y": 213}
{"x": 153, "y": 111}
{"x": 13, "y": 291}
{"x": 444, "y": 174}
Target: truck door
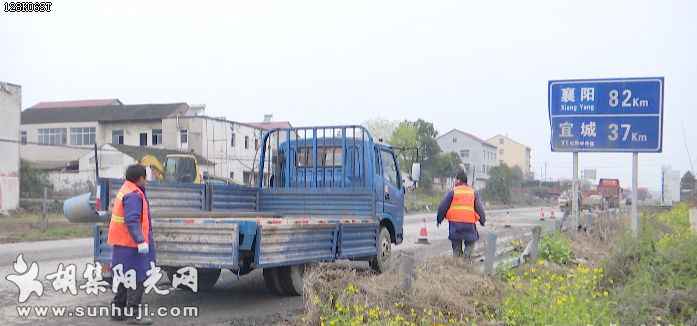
{"x": 392, "y": 189}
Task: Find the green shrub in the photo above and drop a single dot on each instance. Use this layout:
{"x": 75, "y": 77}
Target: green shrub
{"x": 654, "y": 275}
{"x": 555, "y": 247}
{"x": 539, "y": 296}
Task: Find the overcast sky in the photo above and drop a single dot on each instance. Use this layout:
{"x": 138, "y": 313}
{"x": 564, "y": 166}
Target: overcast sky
{"x": 480, "y": 66}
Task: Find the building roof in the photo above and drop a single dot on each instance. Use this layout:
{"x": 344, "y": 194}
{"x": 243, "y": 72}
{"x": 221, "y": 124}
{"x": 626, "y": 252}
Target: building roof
{"x": 269, "y": 125}
{"x": 468, "y": 135}
{"x": 120, "y": 112}
{"x": 137, "y": 152}
{"x": 76, "y": 104}
{"x": 509, "y": 138}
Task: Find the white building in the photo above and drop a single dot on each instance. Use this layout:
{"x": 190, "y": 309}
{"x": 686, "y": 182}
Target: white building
{"x": 55, "y": 133}
{"x": 477, "y": 156}
{"x": 10, "y": 107}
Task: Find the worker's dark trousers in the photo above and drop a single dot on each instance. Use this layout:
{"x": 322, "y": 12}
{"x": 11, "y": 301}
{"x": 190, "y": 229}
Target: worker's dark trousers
{"x": 129, "y": 298}
{"x": 457, "y": 248}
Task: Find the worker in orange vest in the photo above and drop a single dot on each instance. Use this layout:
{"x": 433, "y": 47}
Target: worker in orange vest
{"x": 463, "y": 210}
{"x": 130, "y": 234}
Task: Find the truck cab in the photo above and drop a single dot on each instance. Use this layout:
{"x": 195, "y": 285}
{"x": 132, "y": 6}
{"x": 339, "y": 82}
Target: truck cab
{"x": 338, "y": 163}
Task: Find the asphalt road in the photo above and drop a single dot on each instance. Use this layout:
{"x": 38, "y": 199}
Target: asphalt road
{"x": 232, "y": 302}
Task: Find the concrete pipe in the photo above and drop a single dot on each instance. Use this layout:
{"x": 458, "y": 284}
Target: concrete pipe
{"x": 79, "y": 209}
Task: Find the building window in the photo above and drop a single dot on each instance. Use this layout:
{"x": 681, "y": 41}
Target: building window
{"x": 53, "y": 136}
{"x": 246, "y": 142}
{"x": 501, "y": 151}
{"x": 232, "y": 140}
{"x": 454, "y": 140}
{"x": 82, "y": 136}
{"x": 156, "y": 137}
{"x": 256, "y": 144}
{"x": 143, "y": 139}
{"x": 184, "y": 136}
{"x": 23, "y": 137}
{"x": 465, "y": 153}
{"x": 500, "y": 141}
{"x": 117, "y": 137}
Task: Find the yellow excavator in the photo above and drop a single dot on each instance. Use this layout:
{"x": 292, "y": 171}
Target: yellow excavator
{"x": 182, "y": 168}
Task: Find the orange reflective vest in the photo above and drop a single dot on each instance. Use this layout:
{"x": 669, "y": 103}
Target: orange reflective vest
{"x": 462, "y": 207}
{"x": 118, "y": 231}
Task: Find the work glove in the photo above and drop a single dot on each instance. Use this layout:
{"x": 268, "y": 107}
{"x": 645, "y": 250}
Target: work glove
{"x": 143, "y": 248}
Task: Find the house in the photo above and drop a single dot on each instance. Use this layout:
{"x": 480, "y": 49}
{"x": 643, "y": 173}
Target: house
{"x": 10, "y": 106}
{"x": 478, "y": 156}
{"x": 66, "y": 131}
{"x": 513, "y": 153}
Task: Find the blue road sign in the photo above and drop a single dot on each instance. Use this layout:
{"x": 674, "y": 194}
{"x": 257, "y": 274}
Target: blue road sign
{"x": 606, "y": 115}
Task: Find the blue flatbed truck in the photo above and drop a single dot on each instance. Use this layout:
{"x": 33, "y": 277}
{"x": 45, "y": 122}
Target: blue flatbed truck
{"x": 322, "y": 194}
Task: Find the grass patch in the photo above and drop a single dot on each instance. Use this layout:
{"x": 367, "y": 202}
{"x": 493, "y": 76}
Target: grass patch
{"x": 556, "y": 248}
{"x": 24, "y": 227}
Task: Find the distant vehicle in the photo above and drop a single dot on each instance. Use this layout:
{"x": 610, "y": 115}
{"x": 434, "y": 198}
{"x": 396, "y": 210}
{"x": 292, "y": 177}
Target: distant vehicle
{"x": 610, "y": 191}
{"x": 176, "y": 168}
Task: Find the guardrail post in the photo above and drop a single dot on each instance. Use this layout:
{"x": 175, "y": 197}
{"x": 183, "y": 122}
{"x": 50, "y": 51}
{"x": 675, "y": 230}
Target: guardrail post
{"x": 693, "y": 219}
{"x": 490, "y": 253}
{"x": 408, "y": 271}
{"x": 535, "y": 242}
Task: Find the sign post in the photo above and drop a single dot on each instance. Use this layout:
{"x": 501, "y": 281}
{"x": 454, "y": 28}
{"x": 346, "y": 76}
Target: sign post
{"x": 607, "y": 115}
{"x": 635, "y": 194}
{"x": 575, "y": 211}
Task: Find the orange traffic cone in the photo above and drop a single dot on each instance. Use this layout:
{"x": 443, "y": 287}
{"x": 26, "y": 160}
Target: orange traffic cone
{"x": 542, "y": 214}
{"x": 423, "y": 234}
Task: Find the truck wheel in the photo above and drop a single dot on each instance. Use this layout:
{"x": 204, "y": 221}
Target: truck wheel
{"x": 272, "y": 279}
{"x": 205, "y": 278}
{"x": 380, "y": 263}
{"x": 292, "y": 279}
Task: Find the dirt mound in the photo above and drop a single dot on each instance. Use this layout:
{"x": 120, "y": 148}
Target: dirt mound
{"x": 439, "y": 284}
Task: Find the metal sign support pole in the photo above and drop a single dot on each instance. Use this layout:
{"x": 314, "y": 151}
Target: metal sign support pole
{"x": 635, "y": 191}
{"x": 575, "y": 195}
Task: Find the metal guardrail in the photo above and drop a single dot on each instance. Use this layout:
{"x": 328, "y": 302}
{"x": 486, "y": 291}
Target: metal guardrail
{"x": 503, "y": 252}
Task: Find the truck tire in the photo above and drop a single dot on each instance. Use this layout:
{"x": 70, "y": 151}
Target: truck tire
{"x": 380, "y": 263}
{"x": 272, "y": 279}
{"x": 205, "y": 278}
{"x": 292, "y": 280}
